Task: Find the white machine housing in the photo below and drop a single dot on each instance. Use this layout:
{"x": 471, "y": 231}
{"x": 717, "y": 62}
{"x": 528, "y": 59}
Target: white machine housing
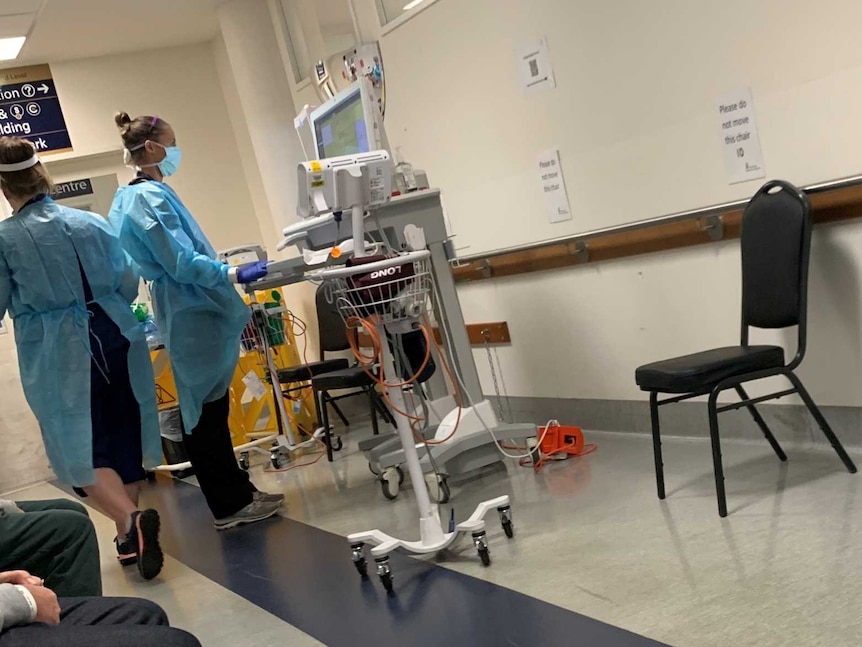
{"x": 341, "y": 183}
{"x": 302, "y": 124}
{"x": 328, "y": 187}
{"x": 243, "y": 255}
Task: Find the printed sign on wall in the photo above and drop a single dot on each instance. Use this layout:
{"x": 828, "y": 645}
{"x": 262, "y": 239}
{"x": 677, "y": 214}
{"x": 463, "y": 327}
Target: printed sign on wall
{"x": 534, "y": 66}
{"x": 554, "y": 187}
{"x": 72, "y": 189}
{"x": 30, "y": 108}
{"x": 740, "y": 142}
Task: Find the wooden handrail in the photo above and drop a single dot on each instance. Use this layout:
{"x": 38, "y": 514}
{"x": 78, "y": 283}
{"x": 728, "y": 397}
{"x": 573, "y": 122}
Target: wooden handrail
{"x": 831, "y": 202}
{"x": 495, "y": 332}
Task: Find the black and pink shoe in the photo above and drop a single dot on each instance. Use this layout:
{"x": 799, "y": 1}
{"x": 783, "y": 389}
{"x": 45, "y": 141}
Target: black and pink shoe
{"x": 127, "y": 551}
{"x": 145, "y": 537}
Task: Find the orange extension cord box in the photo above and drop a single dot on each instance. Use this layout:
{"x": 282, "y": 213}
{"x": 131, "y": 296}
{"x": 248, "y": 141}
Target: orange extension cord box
{"x": 560, "y": 442}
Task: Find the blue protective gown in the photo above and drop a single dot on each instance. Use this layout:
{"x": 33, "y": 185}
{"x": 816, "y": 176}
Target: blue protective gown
{"x": 196, "y": 306}
{"x": 44, "y": 248}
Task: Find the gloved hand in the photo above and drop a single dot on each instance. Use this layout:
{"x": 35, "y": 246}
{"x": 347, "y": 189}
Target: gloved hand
{"x": 250, "y": 273}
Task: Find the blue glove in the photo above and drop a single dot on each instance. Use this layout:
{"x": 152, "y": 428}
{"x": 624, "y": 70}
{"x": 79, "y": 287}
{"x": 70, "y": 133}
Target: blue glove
{"x": 252, "y": 273}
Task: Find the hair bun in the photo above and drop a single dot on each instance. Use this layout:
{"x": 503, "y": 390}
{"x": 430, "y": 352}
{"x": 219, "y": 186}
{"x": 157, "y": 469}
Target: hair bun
{"x": 122, "y": 120}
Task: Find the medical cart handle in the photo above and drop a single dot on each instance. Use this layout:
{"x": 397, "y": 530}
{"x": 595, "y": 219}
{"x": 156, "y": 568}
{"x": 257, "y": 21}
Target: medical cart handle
{"x": 290, "y": 240}
{"x": 308, "y": 223}
{"x": 341, "y": 272}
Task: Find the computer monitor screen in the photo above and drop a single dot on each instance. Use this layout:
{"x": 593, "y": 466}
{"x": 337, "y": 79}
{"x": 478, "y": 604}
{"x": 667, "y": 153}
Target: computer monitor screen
{"x": 342, "y": 130}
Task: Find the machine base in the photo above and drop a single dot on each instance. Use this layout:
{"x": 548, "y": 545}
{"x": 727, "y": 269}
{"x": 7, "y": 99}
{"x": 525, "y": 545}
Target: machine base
{"x": 466, "y": 452}
{"x": 433, "y": 539}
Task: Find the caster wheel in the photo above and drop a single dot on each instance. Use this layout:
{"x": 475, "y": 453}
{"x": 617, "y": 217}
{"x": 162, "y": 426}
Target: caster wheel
{"x": 400, "y": 475}
{"x": 243, "y": 461}
{"x": 506, "y": 521}
{"x": 535, "y": 454}
{"x": 337, "y": 444}
{"x": 362, "y": 567}
{"x": 481, "y": 543}
{"x": 438, "y": 488}
{"x": 358, "y": 552}
{"x": 390, "y": 483}
{"x": 374, "y": 468}
{"x": 385, "y": 574}
{"x": 277, "y": 460}
{"x": 509, "y": 529}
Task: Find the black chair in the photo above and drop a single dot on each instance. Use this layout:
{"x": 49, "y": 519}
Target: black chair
{"x": 775, "y": 241}
{"x": 334, "y": 374}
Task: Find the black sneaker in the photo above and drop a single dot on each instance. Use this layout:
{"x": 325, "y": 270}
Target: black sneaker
{"x": 127, "y": 551}
{"x": 145, "y": 535}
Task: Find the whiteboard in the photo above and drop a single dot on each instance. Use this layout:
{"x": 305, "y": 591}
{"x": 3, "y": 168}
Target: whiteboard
{"x": 634, "y": 110}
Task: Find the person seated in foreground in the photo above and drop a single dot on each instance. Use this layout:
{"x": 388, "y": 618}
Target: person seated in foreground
{"x": 32, "y": 614}
{"x": 54, "y": 539}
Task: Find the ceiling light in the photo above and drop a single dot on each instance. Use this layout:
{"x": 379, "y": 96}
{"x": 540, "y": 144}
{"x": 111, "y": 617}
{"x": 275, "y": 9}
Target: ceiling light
{"x": 413, "y": 4}
{"x": 10, "y": 47}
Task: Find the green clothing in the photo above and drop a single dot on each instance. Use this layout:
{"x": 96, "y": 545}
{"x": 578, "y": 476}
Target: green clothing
{"x": 54, "y": 540}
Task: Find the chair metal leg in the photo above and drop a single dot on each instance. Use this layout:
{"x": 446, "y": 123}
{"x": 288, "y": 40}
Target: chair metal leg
{"x": 821, "y": 421}
{"x": 317, "y": 396}
{"x": 762, "y": 424}
{"x": 656, "y": 444}
{"x": 384, "y": 410}
{"x": 327, "y": 432}
{"x": 372, "y": 405}
{"x": 716, "y": 455}
{"x": 338, "y": 412}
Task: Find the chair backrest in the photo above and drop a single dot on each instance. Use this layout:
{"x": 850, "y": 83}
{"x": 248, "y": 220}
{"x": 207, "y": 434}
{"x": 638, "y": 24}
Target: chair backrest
{"x": 776, "y": 241}
{"x": 330, "y": 325}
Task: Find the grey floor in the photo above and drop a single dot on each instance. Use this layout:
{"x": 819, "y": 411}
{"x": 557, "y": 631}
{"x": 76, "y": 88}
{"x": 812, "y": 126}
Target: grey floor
{"x": 593, "y": 537}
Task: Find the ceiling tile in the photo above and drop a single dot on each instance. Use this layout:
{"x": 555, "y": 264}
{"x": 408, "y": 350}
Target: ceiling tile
{"x": 18, "y": 25}
{"x": 11, "y": 7}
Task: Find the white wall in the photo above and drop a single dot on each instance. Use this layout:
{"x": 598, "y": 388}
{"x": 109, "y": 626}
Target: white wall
{"x": 182, "y": 86}
{"x": 634, "y": 112}
{"x": 254, "y": 80}
{"x": 634, "y": 120}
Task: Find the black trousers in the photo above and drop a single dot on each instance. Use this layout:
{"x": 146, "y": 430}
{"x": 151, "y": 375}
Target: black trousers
{"x": 226, "y": 487}
{"x": 54, "y": 540}
{"x": 102, "y": 622}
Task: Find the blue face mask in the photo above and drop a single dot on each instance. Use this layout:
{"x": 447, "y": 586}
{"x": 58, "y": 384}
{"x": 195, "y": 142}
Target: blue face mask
{"x": 173, "y": 157}
{"x": 169, "y": 165}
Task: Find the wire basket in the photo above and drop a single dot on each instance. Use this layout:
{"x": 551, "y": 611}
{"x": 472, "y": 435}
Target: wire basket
{"x": 384, "y": 290}
{"x": 267, "y": 322}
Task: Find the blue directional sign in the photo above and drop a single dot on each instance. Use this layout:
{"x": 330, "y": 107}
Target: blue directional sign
{"x": 30, "y": 108}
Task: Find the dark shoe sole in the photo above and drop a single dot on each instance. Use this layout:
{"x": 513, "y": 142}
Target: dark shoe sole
{"x": 150, "y": 555}
{"x": 128, "y": 561}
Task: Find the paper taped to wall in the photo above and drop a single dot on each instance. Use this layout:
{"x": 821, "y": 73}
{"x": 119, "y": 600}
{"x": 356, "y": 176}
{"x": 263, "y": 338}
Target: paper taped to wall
{"x": 740, "y": 141}
{"x": 554, "y": 186}
{"x": 534, "y": 66}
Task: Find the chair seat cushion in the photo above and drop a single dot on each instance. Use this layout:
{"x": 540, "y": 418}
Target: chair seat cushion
{"x": 347, "y": 378}
{"x": 308, "y": 371}
{"x": 700, "y": 372}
